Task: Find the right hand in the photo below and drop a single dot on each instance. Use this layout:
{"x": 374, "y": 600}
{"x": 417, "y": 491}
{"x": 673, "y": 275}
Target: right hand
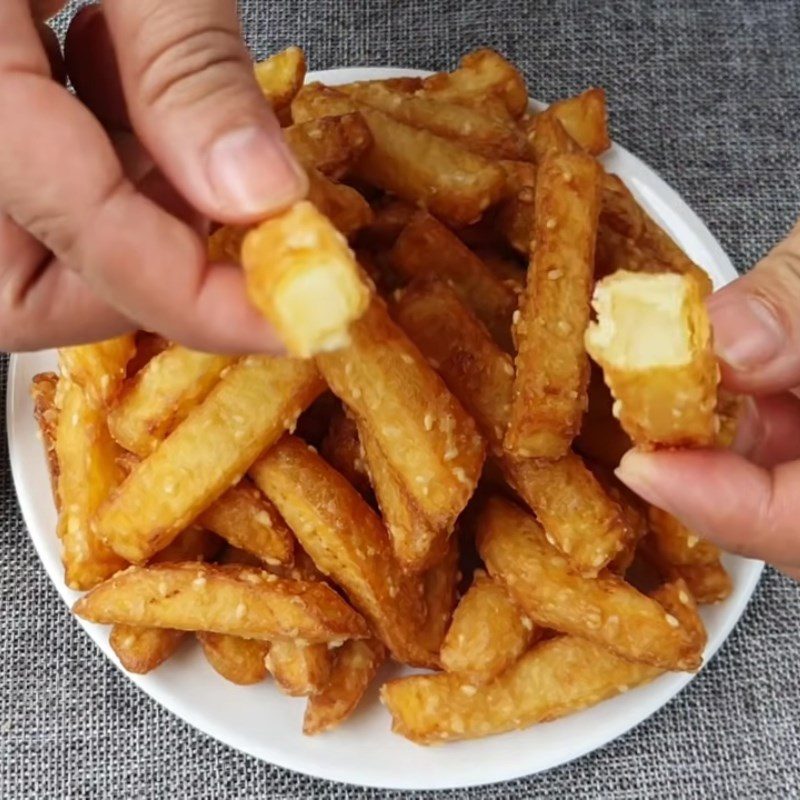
{"x": 105, "y": 197}
{"x": 746, "y": 500}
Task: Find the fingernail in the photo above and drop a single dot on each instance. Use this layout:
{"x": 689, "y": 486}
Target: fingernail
{"x": 252, "y": 172}
{"x": 747, "y": 333}
{"x": 749, "y": 428}
{"x": 638, "y": 472}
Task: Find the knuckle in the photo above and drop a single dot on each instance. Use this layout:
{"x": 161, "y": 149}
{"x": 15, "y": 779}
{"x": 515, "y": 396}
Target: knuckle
{"x": 188, "y": 66}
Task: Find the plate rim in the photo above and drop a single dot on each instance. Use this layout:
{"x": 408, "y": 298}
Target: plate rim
{"x": 671, "y": 684}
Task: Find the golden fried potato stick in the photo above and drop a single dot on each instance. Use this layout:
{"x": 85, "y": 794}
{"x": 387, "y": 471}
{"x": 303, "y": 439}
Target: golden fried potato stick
{"x": 299, "y": 669}
{"x": 240, "y": 601}
{"x": 427, "y": 438}
{"x": 347, "y": 542}
{"x": 604, "y": 609}
{"x": 390, "y": 216}
{"x": 430, "y": 709}
{"x": 412, "y": 163}
{"x": 331, "y": 144}
{"x": 280, "y": 77}
{"x": 440, "y": 588}
{"x": 140, "y": 649}
{"x": 653, "y": 340}
{"x": 342, "y": 449}
{"x": 708, "y": 583}
{"x": 343, "y": 205}
{"x": 245, "y": 518}
{"x": 482, "y": 76}
{"x": 304, "y": 278}
{"x": 238, "y": 660}
{"x": 43, "y": 390}
{"x": 470, "y": 128}
{"x": 355, "y": 665}
{"x": 99, "y": 369}
{"x": 677, "y": 599}
{"x": 87, "y": 473}
{"x": 582, "y": 521}
{"x": 488, "y": 634}
{"x": 250, "y": 407}
{"x": 585, "y": 118}
{"x": 160, "y": 396}
{"x": 552, "y": 369}
{"x": 426, "y": 248}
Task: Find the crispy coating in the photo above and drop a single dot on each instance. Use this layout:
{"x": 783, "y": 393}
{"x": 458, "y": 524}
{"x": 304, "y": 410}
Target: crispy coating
{"x": 355, "y": 665}
{"x": 585, "y": 119}
{"x": 440, "y": 588}
{"x": 604, "y": 609}
{"x": 238, "y": 660}
{"x": 429, "y": 441}
{"x": 241, "y": 601}
{"x": 653, "y": 340}
{"x": 100, "y": 368}
{"x": 253, "y": 403}
{"x": 488, "y": 634}
{"x": 299, "y": 669}
{"x": 555, "y": 678}
{"x": 412, "y": 163}
{"x": 552, "y": 369}
{"x": 677, "y": 599}
{"x": 43, "y": 393}
{"x": 88, "y": 471}
{"x": 160, "y": 396}
{"x": 344, "y": 206}
{"x": 342, "y": 449}
{"x": 347, "y": 542}
{"x": 303, "y": 277}
{"x": 582, "y": 521}
{"x": 426, "y": 248}
{"x": 140, "y": 649}
{"x": 281, "y": 75}
{"x": 471, "y": 128}
{"x": 331, "y": 144}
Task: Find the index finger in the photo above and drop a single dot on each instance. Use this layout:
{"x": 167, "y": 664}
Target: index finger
{"x": 146, "y": 263}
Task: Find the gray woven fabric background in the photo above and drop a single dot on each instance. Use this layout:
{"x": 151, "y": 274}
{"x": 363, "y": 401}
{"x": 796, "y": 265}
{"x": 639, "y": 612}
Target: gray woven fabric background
{"x": 708, "y": 93}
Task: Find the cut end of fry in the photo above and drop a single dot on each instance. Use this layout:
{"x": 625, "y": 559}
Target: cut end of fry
{"x": 280, "y": 76}
{"x": 304, "y": 278}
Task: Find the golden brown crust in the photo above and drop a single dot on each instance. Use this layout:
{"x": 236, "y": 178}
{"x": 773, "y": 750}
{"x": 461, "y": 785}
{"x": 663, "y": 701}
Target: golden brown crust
{"x": 99, "y": 368}
{"x": 331, "y": 144}
{"x": 281, "y": 75}
{"x": 43, "y": 393}
{"x": 299, "y": 670}
{"x": 141, "y": 649}
{"x": 238, "y": 660}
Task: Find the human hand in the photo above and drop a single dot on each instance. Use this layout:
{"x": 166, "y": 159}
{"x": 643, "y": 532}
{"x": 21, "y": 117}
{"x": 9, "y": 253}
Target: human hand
{"x": 105, "y": 196}
{"x": 746, "y": 500}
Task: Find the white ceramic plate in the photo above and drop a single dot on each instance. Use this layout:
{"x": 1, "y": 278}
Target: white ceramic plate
{"x": 262, "y": 722}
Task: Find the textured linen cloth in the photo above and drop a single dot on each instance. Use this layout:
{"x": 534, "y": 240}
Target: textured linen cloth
{"x": 709, "y": 95}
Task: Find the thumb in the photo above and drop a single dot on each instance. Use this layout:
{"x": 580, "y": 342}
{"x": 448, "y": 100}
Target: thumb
{"x": 194, "y": 102}
{"x": 756, "y": 323}
{"x": 724, "y": 498}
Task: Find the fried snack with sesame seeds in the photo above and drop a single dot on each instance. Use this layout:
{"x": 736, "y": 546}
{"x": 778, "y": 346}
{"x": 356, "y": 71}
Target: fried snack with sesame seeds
{"x": 250, "y": 407}
{"x": 708, "y": 583}
{"x": 427, "y": 438}
{"x": 579, "y": 517}
{"x": 482, "y": 76}
{"x": 161, "y": 394}
{"x": 552, "y": 369}
{"x": 331, "y": 144}
{"x": 344, "y": 206}
{"x": 303, "y": 277}
{"x": 347, "y": 542}
{"x": 440, "y": 590}
{"x": 470, "y": 128}
{"x": 426, "y": 248}
{"x": 238, "y": 660}
{"x": 43, "y": 393}
{"x": 245, "y": 518}
{"x": 604, "y": 609}
{"x": 585, "y": 119}
{"x": 488, "y": 634}
{"x": 653, "y": 340}
{"x": 280, "y": 77}
{"x": 240, "y": 601}
{"x": 100, "y": 368}
{"x": 355, "y": 665}
{"x": 676, "y": 598}
{"x": 142, "y": 649}
{"x": 342, "y": 449}
{"x": 413, "y": 164}
{"x": 299, "y": 669}
{"x": 556, "y": 677}
{"x": 88, "y": 472}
